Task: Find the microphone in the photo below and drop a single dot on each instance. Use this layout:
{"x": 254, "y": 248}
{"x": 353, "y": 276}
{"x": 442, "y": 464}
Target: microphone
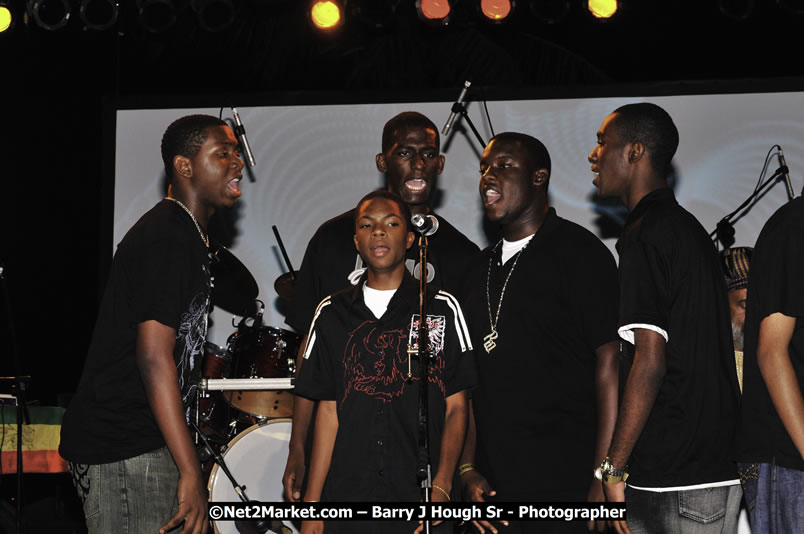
{"x": 786, "y": 173}
{"x": 426, "y": 225}
{"x": 456, "y": 108}
{"x": 240, "y": 132}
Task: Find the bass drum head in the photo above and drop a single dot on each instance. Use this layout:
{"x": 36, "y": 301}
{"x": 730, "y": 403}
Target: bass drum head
{"x": 256, "y": 458}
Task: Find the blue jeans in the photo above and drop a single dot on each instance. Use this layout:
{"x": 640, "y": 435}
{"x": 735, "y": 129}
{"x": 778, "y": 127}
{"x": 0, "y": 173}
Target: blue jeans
{"x": 774, "y": 496}
{"x": 699, "y": 511}
{"x": 132, "y": 496}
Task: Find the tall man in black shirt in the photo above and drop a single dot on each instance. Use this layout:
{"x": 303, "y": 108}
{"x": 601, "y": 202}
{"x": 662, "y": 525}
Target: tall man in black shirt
{"x": 541, "y": 306}
{"x": 675, "y": 425}
{"x": 125, "y": 432}
{"x": 411, "y": 162}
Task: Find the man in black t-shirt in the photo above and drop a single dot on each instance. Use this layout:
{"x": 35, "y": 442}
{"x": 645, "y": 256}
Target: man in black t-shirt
{"x": 411, "y": 162}
{"x": 771, "y": 437}
{"x": 677, "y": 416}
{"x": 125, "y": 432}
{"x": 358, "y": 364}
{"x": 542, "y": 304}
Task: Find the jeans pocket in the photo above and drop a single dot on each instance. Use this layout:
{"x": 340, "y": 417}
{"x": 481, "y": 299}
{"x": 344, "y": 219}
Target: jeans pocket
{"x": 705, "y": 505}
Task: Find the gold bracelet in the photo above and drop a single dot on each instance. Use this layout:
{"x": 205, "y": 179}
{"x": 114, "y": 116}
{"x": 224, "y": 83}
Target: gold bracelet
{"x": 439, "y": 488}
{"x": 465, "y": 468}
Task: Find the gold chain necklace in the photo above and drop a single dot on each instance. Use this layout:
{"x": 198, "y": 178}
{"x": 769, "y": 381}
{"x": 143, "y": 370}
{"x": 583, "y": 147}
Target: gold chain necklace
{"x": 204, "y": 237}
{"x": 488, "y": 340}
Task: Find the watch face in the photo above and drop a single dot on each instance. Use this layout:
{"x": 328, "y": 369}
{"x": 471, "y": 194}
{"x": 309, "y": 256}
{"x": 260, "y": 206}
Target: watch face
{"x": 599, "y": 473}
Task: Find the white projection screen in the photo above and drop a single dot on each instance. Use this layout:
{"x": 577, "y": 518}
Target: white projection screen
{"x": 316, "y": 161}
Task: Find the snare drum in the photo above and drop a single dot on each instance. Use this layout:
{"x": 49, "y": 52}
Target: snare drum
{"x": 256, "y": 458}
{"x": 263, "y": 352}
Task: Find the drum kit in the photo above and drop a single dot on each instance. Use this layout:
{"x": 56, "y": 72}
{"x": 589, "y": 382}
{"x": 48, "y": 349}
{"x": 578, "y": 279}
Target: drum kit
{"x": 244, "y": 400}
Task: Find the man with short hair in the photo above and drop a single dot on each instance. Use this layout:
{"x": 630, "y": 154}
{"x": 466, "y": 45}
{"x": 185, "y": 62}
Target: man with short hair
{"x": 676, "y": 420}
{"x": 125, "y": 432}
{"x": 771, "y": 436}
{"x": 735, "y": 262}
{"x": 411, "y": 162}
{"x": 358, "y": 365}
{"x": 542, "y": 307}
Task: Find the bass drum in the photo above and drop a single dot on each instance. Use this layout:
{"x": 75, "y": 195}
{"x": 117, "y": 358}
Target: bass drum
{"x": 256, "y": 458}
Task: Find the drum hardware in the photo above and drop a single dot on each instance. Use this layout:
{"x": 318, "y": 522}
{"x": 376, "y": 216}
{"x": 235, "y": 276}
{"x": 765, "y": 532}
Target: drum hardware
{"x": 260, "y": 526}
{"x": 235, "y": 287}
{"x": 264, "y": 445}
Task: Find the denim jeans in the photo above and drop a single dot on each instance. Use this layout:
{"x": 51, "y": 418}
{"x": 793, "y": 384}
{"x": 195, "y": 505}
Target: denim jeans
{"x": 774, "y": 496}
{"x": 699, "y": 511}
{"x": 132, "y": 496}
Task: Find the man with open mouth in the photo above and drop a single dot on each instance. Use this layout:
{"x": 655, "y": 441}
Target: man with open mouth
{"x": 411, "y": 161}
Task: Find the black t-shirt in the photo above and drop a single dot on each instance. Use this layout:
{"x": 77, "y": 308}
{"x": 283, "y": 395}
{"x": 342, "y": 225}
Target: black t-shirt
{"x": 535, "y": 404}
{"x": 775, "y": 285}
{"x": 160, "y": 272}
{"x": 331, "y": 263}
{"x": 670, "y": 278}
{"x": 361, "y": 362}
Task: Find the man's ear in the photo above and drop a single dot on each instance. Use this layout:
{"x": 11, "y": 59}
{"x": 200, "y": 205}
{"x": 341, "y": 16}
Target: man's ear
{"x": 381, "y": 165}
{"x": 410, "y": 240}
{"x": 540, "y": 177}
{"x": 636, "y": 152}
{"x": 182, "y": 166}
{"x": 354, "y": 238}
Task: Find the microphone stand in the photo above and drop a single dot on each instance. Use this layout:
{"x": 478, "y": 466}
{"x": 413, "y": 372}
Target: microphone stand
{"x": 461, "y": 108}
{"x": 423, "y": 471}
{"x": 20, "y": 387}
{"x": 259, "y": 526}
{"x": 724, "y": 232}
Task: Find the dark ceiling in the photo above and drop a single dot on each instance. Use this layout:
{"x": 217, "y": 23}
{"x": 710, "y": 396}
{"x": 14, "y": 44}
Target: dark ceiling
{"x": 55, "y": 83}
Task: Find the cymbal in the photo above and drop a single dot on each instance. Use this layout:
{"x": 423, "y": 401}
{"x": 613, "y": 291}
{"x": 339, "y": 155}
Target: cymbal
{"x": 285, "y": 286}
{"x": 235, "y": 288}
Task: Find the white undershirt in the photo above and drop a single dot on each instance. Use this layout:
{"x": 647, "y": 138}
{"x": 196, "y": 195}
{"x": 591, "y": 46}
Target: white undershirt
{"x": 509, "y": 248}
{"x": 377, "y": 299}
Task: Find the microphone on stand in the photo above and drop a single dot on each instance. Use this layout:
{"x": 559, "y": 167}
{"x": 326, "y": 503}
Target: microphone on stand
{"x": 426, "y": 225}
{"x": 456, "y": 108}
{"x": 786, "y": 173}
{"x": 240, "y": 132}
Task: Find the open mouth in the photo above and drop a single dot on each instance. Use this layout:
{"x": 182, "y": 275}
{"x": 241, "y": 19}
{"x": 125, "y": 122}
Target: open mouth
{"x": 416, "y": 185}
{"x": 490, "y": 196}
{"x": 234, "y": 185}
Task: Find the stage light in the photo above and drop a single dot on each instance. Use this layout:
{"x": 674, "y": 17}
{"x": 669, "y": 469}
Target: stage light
{"x": 326, "y": 14}
{"x": 550, "y": 11}
{"x": 6, "y": 17}
{"x": 50, "y": 14}
{"x": 434, "y": 11}
{"x": 496, "y": 10}
{"x": 602, "y": 9}
{"x": 156, "y": 15}
{"x": 99, "y": 14}
{"x": 214, "y": 15}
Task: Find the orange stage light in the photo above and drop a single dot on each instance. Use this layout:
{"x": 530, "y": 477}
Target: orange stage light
{"x": 496, "y": 10}
{"x": 434, "y": 10}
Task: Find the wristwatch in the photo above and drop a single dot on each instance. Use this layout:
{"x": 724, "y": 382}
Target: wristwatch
{"x": 610, "y": 474}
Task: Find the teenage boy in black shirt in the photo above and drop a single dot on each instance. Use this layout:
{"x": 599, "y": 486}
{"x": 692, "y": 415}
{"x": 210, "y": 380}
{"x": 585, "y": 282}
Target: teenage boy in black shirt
{"x": 125, "y": 432}
{"x": 356, "y": 366}
{"x": 542, "y": 309}
{"x": 411, "y": 162}
{"x": 676, "y": 420}
{"x": 771, "y": 438}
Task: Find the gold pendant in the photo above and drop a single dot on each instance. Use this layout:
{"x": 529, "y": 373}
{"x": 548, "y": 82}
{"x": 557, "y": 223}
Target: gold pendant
{"x": 488, "y": 341}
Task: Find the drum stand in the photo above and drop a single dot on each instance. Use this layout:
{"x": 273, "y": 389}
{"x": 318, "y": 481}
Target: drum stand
{"x": 234, "y": 384}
